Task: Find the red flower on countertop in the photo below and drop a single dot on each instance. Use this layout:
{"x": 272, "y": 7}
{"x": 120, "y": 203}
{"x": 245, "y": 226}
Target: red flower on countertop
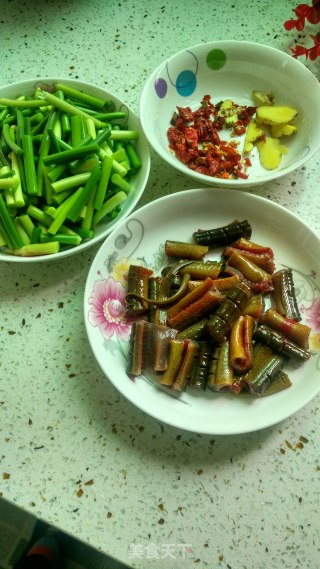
{"x": 310, "y": 14}
{"x": 310, "y": 53}
{"x": 304, "y": 12}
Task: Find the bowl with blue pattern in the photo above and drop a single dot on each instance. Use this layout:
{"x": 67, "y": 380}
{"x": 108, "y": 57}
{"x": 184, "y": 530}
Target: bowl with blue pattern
{"x": 219, "y": 73}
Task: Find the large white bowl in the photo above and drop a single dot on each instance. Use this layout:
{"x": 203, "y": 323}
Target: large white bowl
{"x": 140, "y": 239}
{"x": 232, "y": 70}
{"x": 138, "y": 181}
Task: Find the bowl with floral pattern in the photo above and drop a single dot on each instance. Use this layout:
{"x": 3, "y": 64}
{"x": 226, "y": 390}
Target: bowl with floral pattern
{"x": 196, "y": 109}
{"x": 140, "y": 240}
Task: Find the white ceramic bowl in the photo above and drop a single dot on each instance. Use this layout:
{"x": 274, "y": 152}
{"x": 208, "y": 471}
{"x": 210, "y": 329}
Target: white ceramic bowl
{"x": 141, "y": 237}
{"x": 232, "y": 70}
{"x": 138, "y": 181}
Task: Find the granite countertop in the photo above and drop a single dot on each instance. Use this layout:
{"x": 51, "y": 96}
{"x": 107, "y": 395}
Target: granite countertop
{"x": 73, "y": 450}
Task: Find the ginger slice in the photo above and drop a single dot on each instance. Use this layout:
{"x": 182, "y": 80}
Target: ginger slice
{"x": 254, "y": 134}
{"x": 277, "y": 131}
{"x": 270, "y": 152}
{"x": 275, "y": 115}
{"x": 260, "y": 98}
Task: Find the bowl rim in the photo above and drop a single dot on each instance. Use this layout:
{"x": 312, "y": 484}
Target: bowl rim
{"x": 27, "y": 83}
{"x": 202, "y": 178}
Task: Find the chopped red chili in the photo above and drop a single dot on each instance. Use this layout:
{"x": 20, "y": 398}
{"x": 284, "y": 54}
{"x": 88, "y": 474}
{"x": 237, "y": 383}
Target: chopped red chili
{"x": 194, "y": 138}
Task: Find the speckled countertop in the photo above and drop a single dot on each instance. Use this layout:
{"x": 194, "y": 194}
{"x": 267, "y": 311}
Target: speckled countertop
{"x": 72, "y": 450}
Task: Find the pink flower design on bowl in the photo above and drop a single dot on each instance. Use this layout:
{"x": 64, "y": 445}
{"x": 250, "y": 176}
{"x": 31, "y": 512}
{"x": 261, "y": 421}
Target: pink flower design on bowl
{"x": 312, "y": 314}
{"x": 107, "y": 310}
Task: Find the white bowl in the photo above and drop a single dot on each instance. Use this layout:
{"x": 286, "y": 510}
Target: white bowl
{"x": 232, "y": 70}
{"x": 141, "y": 237}
{"x": 138, "y": 181}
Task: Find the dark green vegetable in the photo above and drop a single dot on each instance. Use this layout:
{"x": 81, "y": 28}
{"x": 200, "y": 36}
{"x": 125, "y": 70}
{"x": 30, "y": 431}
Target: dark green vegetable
{"x": 109, "y": 207}
{"x": 133, "y": 157}
{"x": 5, "y": 236}
{"x": 62, "y": 238}
{"x": 22, "y": 103}
{"x": 66, "y": 107}
{"x": 36, "y": 249}
{"x": 29, "y": 165}
{"x": 10, "y": 141}
{"x": 106, "y": 169}
{"x": 9, "y": 226}
{"x": 8, "y": 182}
{"x": 64, "y": 118}
{"x": 55, "y": 143}
{"x": 113, "y": 115}
{"x": 3, "y": 159}
{"x": 65, "y": 209}
{"x": 103, "y": 135}
{"x": 124, "y": 134}
{"x": 5, "y": 172}
{"x": 120, "y": 182}
{"x": 90, "y": 185}
{"x": 80, "y": 95}
{"x": 69, "y": 155}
